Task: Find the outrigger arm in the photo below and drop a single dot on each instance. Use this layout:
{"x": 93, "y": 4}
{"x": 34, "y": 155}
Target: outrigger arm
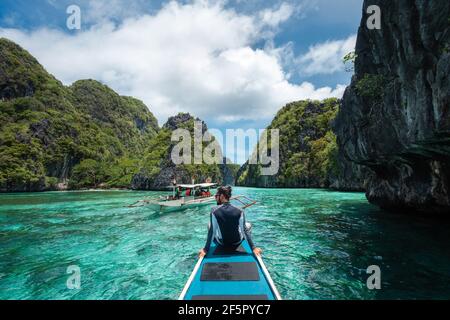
{"x": 246, "y": 202}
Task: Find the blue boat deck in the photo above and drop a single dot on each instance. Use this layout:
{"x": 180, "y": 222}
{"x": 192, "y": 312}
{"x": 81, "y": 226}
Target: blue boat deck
{"x": 230, "y": 276}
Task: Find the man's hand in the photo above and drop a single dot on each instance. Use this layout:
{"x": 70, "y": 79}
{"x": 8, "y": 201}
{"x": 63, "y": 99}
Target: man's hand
{"x": 202, "y": 253}
{"x": 257, "y": 252}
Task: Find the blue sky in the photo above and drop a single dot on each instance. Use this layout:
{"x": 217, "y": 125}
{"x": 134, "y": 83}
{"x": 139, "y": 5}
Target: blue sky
{"x": 233, "y": 63}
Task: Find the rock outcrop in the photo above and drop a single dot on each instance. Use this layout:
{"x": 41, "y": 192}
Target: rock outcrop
{"x": 47, "y": 129}
{"x": 229, "y": 172}
{"x": 159, "y": 170}
{"x": 395, "y": 117}
{"x": 350, "y": 177}
{"x": 308, "y": 151}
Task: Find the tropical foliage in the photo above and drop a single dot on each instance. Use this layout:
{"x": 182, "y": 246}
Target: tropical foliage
{"x": 158, "y": 153}
{"x": 308, "y": 148}
{"x": 49, "y": 133}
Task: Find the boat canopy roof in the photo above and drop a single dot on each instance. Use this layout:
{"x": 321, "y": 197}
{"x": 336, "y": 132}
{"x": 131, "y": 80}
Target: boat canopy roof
{"x": 193, "y": 186}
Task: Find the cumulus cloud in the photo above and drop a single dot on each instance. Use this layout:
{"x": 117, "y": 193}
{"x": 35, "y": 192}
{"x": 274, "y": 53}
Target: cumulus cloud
{"x": 275, "y": 17}
{"x": 100, "y": 11}
{"x": 326, "y": 58}
{"x": 197, "y": 57}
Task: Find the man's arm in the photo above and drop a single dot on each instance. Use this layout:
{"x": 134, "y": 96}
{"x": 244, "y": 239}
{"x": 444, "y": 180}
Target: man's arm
{"x": 247, "y": 234}
{"x": 210, "y": 234}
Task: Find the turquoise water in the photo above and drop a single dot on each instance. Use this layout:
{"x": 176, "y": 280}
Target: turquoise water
{"x": 317, "y": 245}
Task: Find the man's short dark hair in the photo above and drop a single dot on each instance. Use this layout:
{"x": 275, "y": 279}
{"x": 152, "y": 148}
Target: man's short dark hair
{"x": 226, "y": 191}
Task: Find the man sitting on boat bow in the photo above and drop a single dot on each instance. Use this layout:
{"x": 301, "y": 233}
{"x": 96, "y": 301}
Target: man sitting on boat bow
{"x": 227, "y": 226}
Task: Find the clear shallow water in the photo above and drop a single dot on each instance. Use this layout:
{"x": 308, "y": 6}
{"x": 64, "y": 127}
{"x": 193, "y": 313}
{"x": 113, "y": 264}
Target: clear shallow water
{"x": 317, "y": 245}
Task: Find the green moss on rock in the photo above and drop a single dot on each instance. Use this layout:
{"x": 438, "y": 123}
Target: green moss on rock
{"x": 308, "y": 150}
{"x": 51, "y": 134}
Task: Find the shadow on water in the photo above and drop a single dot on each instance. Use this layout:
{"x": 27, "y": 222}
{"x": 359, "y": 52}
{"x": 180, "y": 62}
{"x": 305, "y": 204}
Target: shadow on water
{"x": 411, "y": 251}
{"x": 320, "y": 244}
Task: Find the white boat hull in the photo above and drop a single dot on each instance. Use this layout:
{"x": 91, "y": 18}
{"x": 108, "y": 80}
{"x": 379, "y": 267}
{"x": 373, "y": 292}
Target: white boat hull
{"x": 184, "y": 203}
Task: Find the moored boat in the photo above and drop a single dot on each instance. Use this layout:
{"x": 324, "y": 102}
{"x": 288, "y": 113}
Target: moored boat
{"x": 183, "y": 196}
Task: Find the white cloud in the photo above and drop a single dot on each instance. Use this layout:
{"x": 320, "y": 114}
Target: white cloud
{"x": 275, "y": 17}
{"x": 326, "y": 58}
{"x": 196, "y": 58}
{"x": 101, "y": 11}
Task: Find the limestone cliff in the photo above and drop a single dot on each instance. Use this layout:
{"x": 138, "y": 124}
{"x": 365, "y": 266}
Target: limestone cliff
{"x": 53, "y": 136}
{"x": 308, "y": 150}
{"x": 395, "y": 117}
{"x": 157, "y": 168}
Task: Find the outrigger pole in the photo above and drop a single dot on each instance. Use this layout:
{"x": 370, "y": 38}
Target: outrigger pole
{"x": 247, "y": 204}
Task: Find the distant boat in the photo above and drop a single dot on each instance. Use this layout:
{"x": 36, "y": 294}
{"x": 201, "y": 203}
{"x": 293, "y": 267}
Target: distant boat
{"x": 183, "y": 196}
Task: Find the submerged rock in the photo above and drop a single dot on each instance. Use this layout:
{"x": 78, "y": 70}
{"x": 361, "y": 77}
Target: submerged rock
{"x": 395, "y": 117}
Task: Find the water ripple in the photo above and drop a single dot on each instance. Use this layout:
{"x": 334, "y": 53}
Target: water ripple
{"x": 317, "y": 245}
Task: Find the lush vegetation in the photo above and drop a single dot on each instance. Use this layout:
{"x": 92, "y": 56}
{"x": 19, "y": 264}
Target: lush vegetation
{"x": 371, "y": 87}
{"x": 308, "y": 149}
{"x": 158, "y": 156}
{"x": 87, "y": 136}
{"x": 349, "y": 61}
{"x": 84, "y": 135}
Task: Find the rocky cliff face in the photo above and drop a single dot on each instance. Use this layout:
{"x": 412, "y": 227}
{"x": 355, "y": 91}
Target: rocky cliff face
{"x": 349, "y": 177}
{"x": 48, "y": 129}
{"x": 229, "y": 172}
{"x": 308, "y": 151}
{"x": 395, "y": 117}
{"x": 158, "y": 169}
